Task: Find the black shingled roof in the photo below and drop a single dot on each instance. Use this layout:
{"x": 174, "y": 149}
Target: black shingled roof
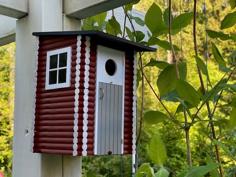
{"x": 103, "y": 39}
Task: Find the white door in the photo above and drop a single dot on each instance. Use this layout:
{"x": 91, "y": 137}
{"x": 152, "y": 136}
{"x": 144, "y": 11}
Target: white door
{"x": 110, "y": 102}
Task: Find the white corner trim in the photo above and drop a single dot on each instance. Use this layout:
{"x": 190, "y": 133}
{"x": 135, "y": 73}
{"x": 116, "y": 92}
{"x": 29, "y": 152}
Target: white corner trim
{"x": 86, "y": 93}
{"x": 34, "y": 94}
{"x": 134, "y": 115}
{"x": 76, "y": 103}
{"x": 67, "y": 50}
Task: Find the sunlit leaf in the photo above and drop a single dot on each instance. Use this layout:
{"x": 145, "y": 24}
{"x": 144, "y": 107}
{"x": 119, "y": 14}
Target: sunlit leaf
{"x": 220, "y": 35}
{"x": 200, "y": 171}
{"x": 158, "y": 63}
{"x": 145, "y": 170}
{"x": 100, "y": 18}
{"x": 154, "y": 21}
{"x": 181, "y": 22}
{"x": 156, "y": 150}
{"x": 162, "y": 172}
{"x": 162, "y": 43}
{"x": 96, "y": 22}
{"x": 187, "y": 93}
{"x": 154, "y": 117}
{"x": 229, "y": 20}
{"x": 113, "y": 27}
{"x": 167, "y": 79}
{"x": 217, "y": 55}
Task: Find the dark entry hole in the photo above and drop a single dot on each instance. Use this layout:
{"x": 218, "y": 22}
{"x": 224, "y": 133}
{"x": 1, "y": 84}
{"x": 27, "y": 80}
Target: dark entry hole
{"x": 110, "y": 67}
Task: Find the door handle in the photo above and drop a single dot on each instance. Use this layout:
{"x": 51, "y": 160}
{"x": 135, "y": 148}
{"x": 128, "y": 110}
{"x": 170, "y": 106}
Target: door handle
{"x": 101, "y": 93}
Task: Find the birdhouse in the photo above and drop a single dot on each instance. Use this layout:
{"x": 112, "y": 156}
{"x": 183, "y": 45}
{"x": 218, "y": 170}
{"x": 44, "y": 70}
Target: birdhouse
{"x": 85, "y": 101}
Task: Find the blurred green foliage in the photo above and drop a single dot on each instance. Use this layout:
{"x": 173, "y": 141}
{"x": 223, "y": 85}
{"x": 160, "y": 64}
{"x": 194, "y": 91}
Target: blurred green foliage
{"x": 6, "y": 107}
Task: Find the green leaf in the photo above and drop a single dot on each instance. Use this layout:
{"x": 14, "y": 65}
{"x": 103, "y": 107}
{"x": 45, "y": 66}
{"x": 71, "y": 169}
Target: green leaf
{"x": 166, "y": 16}
{"x": 217, "y": 55}
{"x": 171, "y": 96}
{"x": 156, "y": 150}
{"x": 139, "y": 36}
{"x": 200, "y": 171}
{"x": 167, "y": 79}
{"x": 100, "y": 18}
{"x": 162, "y": 172}
{"x": 96, "y": 22}
{"x": 129, "y": 33}
{"x": 162, "y": 43}
{"x": 232, "y": 121}
{"x": 181, "y": 21}
{"x": 187, "y": 93}
{"x": 220, "y": 35}
{"x": 202, "y": 67}
{"x": 145, "y": 170}
{"x": 229, "y": 20}
{"x": 128, "y": 7}
{"x": 113, "y": 27}
{"x": 154, "y": 117}
{"x": 138, "y": 20}
{"x": 154, "y": 21}
{"x": 215, "y": 172}
{"x": 215, "y": 90}
{"x": 182, "y": 66}
{"x": 157, "y": 63}
{"x": 232, "y": 3}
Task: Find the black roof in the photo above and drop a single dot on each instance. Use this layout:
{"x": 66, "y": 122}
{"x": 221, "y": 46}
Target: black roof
{"x": 103, "y": 39}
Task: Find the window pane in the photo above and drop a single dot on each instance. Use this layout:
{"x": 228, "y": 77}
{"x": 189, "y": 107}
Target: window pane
{"x": 53, "y": 61}
{"x": 52, "y": 77}
{"x": 63, "y": 60}
{"x": 62, "y": 76}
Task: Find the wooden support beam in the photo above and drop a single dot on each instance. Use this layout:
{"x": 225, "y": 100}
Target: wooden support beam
{"x": 84, "y": 8}
{"x": 14, "y": 8}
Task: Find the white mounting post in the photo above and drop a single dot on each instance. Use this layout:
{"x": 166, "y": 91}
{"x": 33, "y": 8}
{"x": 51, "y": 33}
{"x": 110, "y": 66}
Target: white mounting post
{"x": 44, "y": 15}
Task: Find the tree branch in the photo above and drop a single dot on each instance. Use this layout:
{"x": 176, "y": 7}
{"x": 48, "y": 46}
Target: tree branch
{"x": 203, "y": 87}
{"x": 142, "y": 100}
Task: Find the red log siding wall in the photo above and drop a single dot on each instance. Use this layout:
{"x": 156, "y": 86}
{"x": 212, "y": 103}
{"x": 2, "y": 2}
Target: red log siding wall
{"x": 128, "y": 103}
{"x": 92, "y": 97}
{"x": 54, "y": 114}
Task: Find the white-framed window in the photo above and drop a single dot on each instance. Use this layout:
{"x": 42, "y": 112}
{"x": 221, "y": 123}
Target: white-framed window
{"x": 58, "y": 68}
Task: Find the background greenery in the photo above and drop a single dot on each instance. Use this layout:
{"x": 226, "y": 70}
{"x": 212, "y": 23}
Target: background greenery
{"x": 6, "y": 106}
{"x": 162, "y": 147}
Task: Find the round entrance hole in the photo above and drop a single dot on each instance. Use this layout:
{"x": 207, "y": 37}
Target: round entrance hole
{"x": 110, "y": 67}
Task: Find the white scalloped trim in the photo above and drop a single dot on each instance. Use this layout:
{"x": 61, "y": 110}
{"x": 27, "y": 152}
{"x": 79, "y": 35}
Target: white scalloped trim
{"x": 76, "y": 103}
{"x": 134, "y": 109}
{"x": 34, "y": 94}
{"x": 86, "y": 93}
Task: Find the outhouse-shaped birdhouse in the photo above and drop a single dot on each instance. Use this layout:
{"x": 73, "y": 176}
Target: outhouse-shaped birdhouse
{"x": 85, "y": 94}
